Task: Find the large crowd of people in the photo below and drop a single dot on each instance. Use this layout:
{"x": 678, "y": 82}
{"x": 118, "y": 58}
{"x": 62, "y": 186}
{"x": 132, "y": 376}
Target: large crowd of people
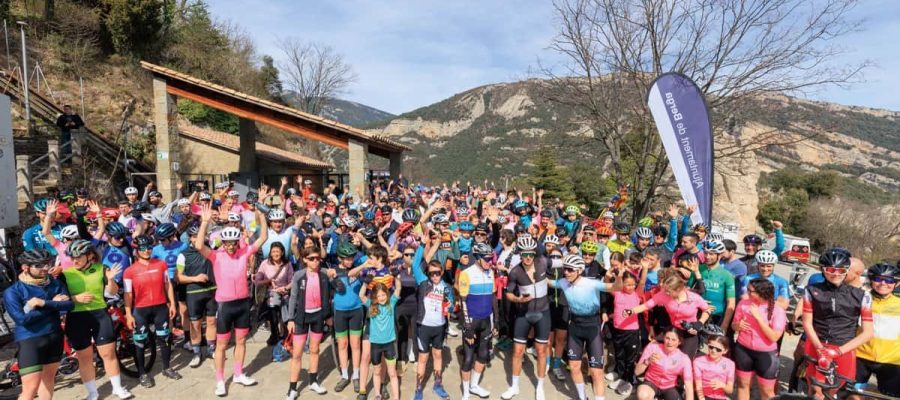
{"x": 664, "y": 309}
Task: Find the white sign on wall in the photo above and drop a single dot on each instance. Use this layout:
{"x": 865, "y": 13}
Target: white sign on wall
{"x": 9, "y": 212}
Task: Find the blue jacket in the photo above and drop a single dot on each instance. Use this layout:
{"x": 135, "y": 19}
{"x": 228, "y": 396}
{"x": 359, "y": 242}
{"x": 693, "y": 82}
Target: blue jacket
{"x": 40, "y": 321}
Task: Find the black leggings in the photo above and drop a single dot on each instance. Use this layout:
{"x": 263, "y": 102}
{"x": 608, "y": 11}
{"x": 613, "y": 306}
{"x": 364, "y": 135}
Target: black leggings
{"x": 690, "y": 344}
{"x": 406, "y": 321}
{"x": 158, "y": 316}
{"x": 627, "y": 347}
{"x": 480, "y": 349}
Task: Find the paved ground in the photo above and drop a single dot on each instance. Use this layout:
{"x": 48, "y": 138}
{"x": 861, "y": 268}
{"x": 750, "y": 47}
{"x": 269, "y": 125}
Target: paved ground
{"x": 273, "y": 377}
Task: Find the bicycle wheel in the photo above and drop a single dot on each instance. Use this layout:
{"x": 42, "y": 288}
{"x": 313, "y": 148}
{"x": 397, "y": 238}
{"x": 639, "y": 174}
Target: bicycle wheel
{"x": 125, "y": 351}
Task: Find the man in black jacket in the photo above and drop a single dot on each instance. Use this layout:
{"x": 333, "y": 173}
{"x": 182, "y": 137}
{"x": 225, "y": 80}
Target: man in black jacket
{"x": 66, "y": 122}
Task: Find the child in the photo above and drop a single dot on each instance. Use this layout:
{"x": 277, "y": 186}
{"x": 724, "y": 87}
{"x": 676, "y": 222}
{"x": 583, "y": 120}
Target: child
{"x": 626, "y": 332}
{"x": 713, "y": 373}
{"x": 383, "y": 336}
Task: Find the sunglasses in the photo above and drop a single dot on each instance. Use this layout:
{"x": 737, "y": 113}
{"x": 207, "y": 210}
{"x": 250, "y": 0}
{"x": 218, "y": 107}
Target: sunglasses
{"x": 144, "y": 248}
{"x": 555, "y": 257}
{"x": 434, "y": 273}
{"x": 527, "y": 255}
{"x": 408, "y": 254}
{"x": 480, "y": 234}
{"x": 716, "y": 349}
{"x": 884, "y": 279}
{"x": 835, "y": 270}
{"x": 568, "y": 270}
{"x": 313, "y": 259}
{"x": 41, "y": 266}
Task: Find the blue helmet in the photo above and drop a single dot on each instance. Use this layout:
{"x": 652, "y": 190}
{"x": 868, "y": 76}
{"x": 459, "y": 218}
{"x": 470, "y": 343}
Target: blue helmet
{"x": 40, "y": 205}
{"x": 369, "y": 216}
{"x": 165, "y": 231}
{"x": 116, "y": 229}
{"x": 466, "y": 226}
{"x": 520, "y": 204}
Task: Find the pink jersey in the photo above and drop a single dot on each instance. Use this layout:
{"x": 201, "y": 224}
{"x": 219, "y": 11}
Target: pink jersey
{"x": 753, "y": 338}
{"x": 664, "y": 373}
{"x": 707, "y": 371}
{"x": 62, "y": 259}
{"x": 231, "y": 273}
{"x": 313, "y": 293}
{"x": 679, "y": 311}
{"x": 623, "y": 301}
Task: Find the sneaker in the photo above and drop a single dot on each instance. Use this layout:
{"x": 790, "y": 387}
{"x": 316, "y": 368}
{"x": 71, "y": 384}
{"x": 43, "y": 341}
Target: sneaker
{"x": 611, "y": 376}
{"x": 531, "y": 351}
{"x": 93, "y": 396}
{"x": 292, "y": 395}
{"x": 385, "y": 392}
{"x": 341, "y": 385}
{"x": 624, "y": 389}
{"x": 539, "y": 394}
{"x": 356, "y": 385}
{"x": 188, "y": 346}
{"x": 220, "y": 389}
{"x": 440, "y": 392}
{"x": 146, "y": 381}
{"x": 418, "y": 395}
{"x": 465, "y": 397}
{"x": 452, "y": 331}
{"x": 243, "y": 380}
{"x": 122, "y": 393}
{"x": 361, "y": 396}
{"x": 559, "y": 374}
{"x": 479, "y": 391}
{"x": 196, "y": 361}
{"x": 315, "y": 387}
{"x": 171, "y": 374}
{"x": 614, "y": 384}
{"x": 513, "y": 391}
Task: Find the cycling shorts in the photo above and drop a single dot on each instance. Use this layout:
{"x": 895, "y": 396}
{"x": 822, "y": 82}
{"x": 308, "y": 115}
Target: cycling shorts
{"x": 846, "y": 364}
{"x": 387, "y": 350}
{"x": 84, "y": 328}
{"x": 665, "y": 394}
{"x": 35, "y": 352}
{"x": 559, "y": 317}
{"x": 157, "y": 315}
{"x": 429, "y": 337}
{"x": 202, "y": 304}
{"x": 312, "y": 322}
{"x": 762, "y": 363}
{"x": 480, "y": 349}
{"x": 233, "y": 314}
{"x": 348, "y": 322}
{"x": 583, "y": 335}
{"x": 886, "y": 374}
{"x": 521, "y": 328}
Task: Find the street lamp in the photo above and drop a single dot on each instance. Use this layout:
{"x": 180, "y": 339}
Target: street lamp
{"x": 22, "y": 25}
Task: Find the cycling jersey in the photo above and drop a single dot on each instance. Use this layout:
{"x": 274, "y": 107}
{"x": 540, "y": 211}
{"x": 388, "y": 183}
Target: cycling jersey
{"x": 476, "y": 285}
{"x": 679, "y": 311}
{"x": 147, "y": 283}
{"x": 884, "y": 348}
{"x": 38, "y": 321}
{"x": 619, "y": 246}
{"x": 92, "y": 279}
{"x": 112, "y": 255}
{"x": 664, "y": 372}
{"x": 33, "y": 238}
{"x": 583, "y": 296}
{"x": 465, "y": 245}
{"x": 349, "y": 300}
{"x": 62, "y": 259}
{"x": 284, "y": 237}
{"x": 191, "y": 263}
{"x": 709, "y": 371}
{"x": 754, "y": 338}
{"x": 169, "y": 254}
{"x": 231, "y": 273}
{"x": 625, "y": 301}
{"x": 719, "y": 285}
{"x": 382, "y": 326}
{"x": 520, "y": 283}
{"x": 382, "y": 275}
{"x": 782, "y": 287}
{"x": 836, "y": 311}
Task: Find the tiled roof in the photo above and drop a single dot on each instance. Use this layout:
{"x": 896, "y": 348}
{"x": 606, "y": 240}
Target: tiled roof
{"x": 345, "y": 129}
{"x": 233, "y": 143}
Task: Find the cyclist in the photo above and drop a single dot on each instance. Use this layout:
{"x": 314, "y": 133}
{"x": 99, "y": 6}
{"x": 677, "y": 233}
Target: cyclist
{"x": 33, "y": 238}
{"x": 719, "y": 285}
{"x": 881, "y": 355}
{"x": 36, "y": 302}
{"x": 232, "y": 293}
{"x": 664, "y": 363}
{"x": 621, "y": 243}
{"x": 348, "y": 315}
{"x": 89, "y": 324}
{"x": 167, "y": 249}
{"x": 714, "y": 373}
{"x": 527, "y": 288}
{"x": 149, "y": 300}
{"x": 117, "y": 247}
{"x": 683, "y": 306}
{"x": 765, "y": 263}
{"x": 559, "y": 311}
{"x": 195, "y": 273}
{"x": 753, "y": 244}
{"x": 832, "y": 311}
{"x": 644, "y": 237}
{"x": 759, "y": 324}
{"x": 480, "y": 321}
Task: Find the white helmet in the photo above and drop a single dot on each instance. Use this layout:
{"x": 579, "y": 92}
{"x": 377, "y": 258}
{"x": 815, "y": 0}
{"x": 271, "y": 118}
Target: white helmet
{"x": 349, "y": 221}
{"x": 573, "y": 261}
{"x": 717, "y": 247}
{"x": 69, "y": 232}
{"x": 230, "y": 233}
{"x": 526, "y": 243}
{"x": 609, "y": 214}
{"x": 766, "y": 257}
{"x": 551, "y": 239}
{"x": 644, "y": 232}
{"x": 233, "y": 193}
{"x": 205, "y": 196}
{"x": 440, "y": 218}
{"x": 276, "y": 215}
{"x": 149, "y": 217}
{"x": 714, "y": 236}
{"x": 233, "y": 217}
{"x": 184, "y": 202}
{"x": 131, "y": 190}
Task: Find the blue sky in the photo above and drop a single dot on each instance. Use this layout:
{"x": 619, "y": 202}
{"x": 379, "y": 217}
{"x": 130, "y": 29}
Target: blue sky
{"x": 409, "y": 54}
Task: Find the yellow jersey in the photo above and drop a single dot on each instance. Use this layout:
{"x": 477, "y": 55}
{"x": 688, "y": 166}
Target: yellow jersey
{"x": 884, "y": 348}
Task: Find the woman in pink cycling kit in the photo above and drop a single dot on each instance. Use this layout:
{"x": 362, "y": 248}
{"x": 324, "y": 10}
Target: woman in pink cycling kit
{"x": 682, "y": 305}
{"x": 759, "y": 324}
{"x": 232, "y": 293}
{"x": 714, "y": 373}
{"x": 664, "y": 364}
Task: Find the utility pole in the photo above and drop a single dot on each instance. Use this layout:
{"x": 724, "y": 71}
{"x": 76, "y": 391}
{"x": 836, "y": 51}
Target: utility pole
{"x": 6, "y": 38}
{"x": 22, "y": 25}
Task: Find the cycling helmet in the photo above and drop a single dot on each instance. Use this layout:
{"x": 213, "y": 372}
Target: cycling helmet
{"x": 551, "y": 239}
{"x": 291, "y": 192}
{"x": 835, "y": 257}
{"x": 346, "y": 249}
{"x": 79, "y": 248}
{"x": 481, "y": 227}
{"x": 717, "y": 247}
{"x": 646, "y": 222}
{"x": 252, "y": 197}
{"x": 348, "y": 220}
{"x": 520, "y": 204}
{"x": 234, "y": 217}
{"x": 154, "y": 194}
{"x": 573, "y": 261}
{"x": 116, "y": 229}
{"x": 40, "y": 205}
{"x": 230, "y": 233}
{"x": 753, "y": 239}
{"x": 369, "y": 216}
{"x": 590, "y": 228}
{"x": 604, "y": 231}
{"x": 82, "y": 192}
{"x": 143, "y": 241}
{"x": 883, "y": 269}
{"x": 440, "y": 219}
{"x": 466, "y": 226}
{"x": 622, "y": 228}
{"x": 589, "y": 247}
{"x": 462, "y": 211}
{"x": 608, "y": 215}
{"x": 141, "y": 207}
{"x": 546, "y": 213}
{"x": 165, "y": 231}
{"x": 369, "y": 232}
{"x": 409, "y": 215}
{"x": 110, "y": 213}
{"x": 276, "y": 215}
{"x": 233, "y": 193}
{"x": 700, "y": 227}
{"x": 714, "y": 236}
{"x": 661, "y": 231}
{"x": 148, "y": 217}
{"x": 131, "y": 190}
{"x": 205, "y": 196}
{"x": 69, "y": 232}
{"x": 766, "y": 257}
{"x": 526, "y": 243}
{"x": 193, "y": 230}
{"x": 482, "y": 249}
{"x": 572, "y": 210}
{"x": 35, "y": 257}
{"x": 644, "y": 232}
{"x": 184, "y": 202}
{"x": 520, "y": 228}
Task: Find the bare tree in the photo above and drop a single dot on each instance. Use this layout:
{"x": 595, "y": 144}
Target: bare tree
{"x": 735, "y": 50}
{"x": 314, "y": 72}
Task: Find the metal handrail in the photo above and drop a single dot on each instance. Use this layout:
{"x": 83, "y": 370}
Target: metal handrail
{"x": 40, "y": 175}
{"x": 39, "y": 159}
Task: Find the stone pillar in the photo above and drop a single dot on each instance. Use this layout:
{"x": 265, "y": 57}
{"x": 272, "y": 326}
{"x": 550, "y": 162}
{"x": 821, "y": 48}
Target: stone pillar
{"x": 55, "y": 173}
{"x": 164, "y": 117}
{"x": 78, "y": 147}
{"x": 357, "y": 168}
{"x": 23, "y": 179}
{"x": 248, "y": 134}
{"x": 396, "y": 166}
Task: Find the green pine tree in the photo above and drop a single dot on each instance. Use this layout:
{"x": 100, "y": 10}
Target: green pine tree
{"x": 547, "y": 174}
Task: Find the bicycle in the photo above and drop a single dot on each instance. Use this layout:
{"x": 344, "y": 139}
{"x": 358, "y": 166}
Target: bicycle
{"x": 68, "y": 365}
{"x": 833, "y": 381}
{"x": 125, "y": 348}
